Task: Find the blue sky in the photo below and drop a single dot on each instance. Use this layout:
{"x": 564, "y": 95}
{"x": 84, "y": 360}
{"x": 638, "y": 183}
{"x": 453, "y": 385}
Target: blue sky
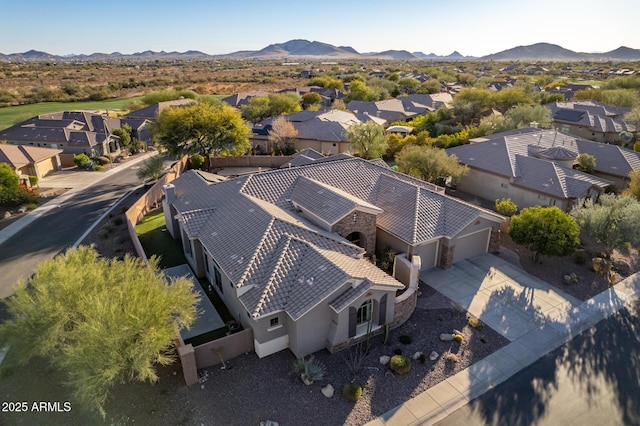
{"x": 472, "y": 27}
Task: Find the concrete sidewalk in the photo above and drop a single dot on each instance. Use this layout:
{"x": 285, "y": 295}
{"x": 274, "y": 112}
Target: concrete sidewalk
{"x": 535, "y": 316}
{"x": 76, "y": 180}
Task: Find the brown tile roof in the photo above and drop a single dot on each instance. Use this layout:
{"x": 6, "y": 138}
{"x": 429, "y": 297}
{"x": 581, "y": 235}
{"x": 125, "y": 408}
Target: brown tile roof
{"x": 280, "y": 261}
{"x": 20, "y": 155}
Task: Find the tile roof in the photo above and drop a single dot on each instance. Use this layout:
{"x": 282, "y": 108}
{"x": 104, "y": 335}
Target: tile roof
{"x": 519, "y": 157}
{"x": 326, "y": 202}
{"x": 20, "y": 155}
{"x": 596, "y": 116}
{"x": 250, "y": 226}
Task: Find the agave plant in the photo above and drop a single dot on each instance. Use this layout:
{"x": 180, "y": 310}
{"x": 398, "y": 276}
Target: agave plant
{"x": 308, "y": 369}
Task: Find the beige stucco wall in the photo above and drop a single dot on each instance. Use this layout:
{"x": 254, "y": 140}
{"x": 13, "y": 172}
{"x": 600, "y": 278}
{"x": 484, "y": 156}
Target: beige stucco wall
{"x": 385, "y": 239}
{"x": 491, "y": 187}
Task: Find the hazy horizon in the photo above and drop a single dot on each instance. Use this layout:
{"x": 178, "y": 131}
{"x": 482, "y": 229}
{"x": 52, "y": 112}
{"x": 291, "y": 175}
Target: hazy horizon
{"x": 469, "y": 27}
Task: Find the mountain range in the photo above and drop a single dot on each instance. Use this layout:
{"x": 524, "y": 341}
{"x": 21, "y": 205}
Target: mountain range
{"x": 305, "y": 49}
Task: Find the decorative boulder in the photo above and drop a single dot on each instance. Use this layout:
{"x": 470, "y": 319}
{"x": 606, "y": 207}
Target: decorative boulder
{"x": 328, "y": 390}
{"x": 433, "y": 355}
{"x": 600, "y": 265}
{"x": 7, "y": 215}
{"x": 416, "y": 356}
{"x": 268, "y": 423}
{"x": 456, "y": 331}
{"x": 623, "y": 267}
{"x": 446, "y": 337}
{"x": 384, "y": 360}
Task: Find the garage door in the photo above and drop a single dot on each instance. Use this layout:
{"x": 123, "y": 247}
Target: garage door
{"x": 471, "y": 245}
{"x": 427, "y": 253}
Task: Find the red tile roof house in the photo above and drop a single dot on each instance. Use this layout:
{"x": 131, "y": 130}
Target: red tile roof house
{"x": 30, "y": 160}
{"x": 287, "y": 249}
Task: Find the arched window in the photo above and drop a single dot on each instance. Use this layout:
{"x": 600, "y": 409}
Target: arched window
{"x": 363, "y": 315}
{"x": 355, "y": 238}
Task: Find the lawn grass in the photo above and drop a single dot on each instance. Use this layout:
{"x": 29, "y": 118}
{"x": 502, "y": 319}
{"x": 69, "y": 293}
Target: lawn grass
{"x": 156, "y": 240}
{"x": 14, "y": 114}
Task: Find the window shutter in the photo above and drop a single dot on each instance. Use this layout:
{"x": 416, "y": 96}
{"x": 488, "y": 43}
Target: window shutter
{"x": 353, "y": 312}
{"x": 382, "y": 310}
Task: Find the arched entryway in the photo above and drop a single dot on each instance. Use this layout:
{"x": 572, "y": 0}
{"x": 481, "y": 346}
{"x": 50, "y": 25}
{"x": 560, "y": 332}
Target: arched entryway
{"x": 356, "y": 238}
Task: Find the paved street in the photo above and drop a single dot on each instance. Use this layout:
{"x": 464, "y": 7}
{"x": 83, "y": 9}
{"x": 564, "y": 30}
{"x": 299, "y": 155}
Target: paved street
{"x": 57, "y": 225}
{"x": 593, "y": 379}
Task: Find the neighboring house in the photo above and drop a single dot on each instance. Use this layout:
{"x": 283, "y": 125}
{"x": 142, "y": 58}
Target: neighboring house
{"x": 328, "y": 96}
{"x": 535, "y": 167}
{"x": 570, "y": 89}
{"x": 30, "y": 160}
{"x": 140, "y": 119}
{"x": 241, "y": 99}
{"x": 402, "y": 108}
{"x": 590, "y": 120}
{"x": 285, "y": 249}
{"x": 72, "y": 132}
{"x": 322, "y": 131}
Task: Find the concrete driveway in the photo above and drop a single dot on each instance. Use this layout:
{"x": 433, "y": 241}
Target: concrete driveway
{"x": 502, "y": 295}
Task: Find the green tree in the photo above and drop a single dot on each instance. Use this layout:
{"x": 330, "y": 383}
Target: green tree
{"x": 470, "y": 102}
{"x": 257, "y": 109}
{"x": 506, "y": 207}
{"x": 11, "y": 193}
{"x": 260, "y": 107}
{"x": 202, "y": 128}
{"x": 408, "y": 85}
{"x": 509, "y": 98}
{"x": 359, "y": 91}
{"x": 586, "y": 163}
{"x": 523, "y": 115}
{"x": 430, "y": 164}
{"x": 633, "y": 189}
{"x": 101, "y": 321}
{"x": 368, "y": 139}
{"x": 311, "y": 100}
{"x": 81, "y": 160}
{"x": 124, "y": 134}
{"x": 611, "y": 223}
{"x": 151, "y": 168}
{"x": 429, "y": 87}
{"x": 196, "y": 161}
{"x": 545, "y": 230}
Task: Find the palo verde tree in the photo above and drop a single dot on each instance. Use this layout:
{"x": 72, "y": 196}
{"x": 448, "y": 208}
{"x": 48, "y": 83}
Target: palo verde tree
{"x": 368, "y": 139}
{"x": 202, "y": 128}
{"x": 430, "y": 164}
{"x": 100, "y": 321}
{"x": 545, "y": 230}
{"x": 611, "y": 223}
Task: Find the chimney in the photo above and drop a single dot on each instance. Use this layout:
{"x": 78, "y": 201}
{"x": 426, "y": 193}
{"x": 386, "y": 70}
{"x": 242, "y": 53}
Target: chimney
{"x": 169, "y": 192}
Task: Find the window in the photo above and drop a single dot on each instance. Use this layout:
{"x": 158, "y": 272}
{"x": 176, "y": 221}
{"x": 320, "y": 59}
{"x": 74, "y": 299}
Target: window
{"x": 273, "y": 322}
{"x": 217, "y": 278}
{"x": 364, "y": 313}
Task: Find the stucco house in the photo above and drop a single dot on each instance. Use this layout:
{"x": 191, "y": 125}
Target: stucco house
{"x": 287, "y": 249}
{"x": 30, "y": 160}
{"x": 322, "y": 131}
{"x": 534, "y": 167}
{"x": 590, "y": 120}
{"x": 74, "y": 132}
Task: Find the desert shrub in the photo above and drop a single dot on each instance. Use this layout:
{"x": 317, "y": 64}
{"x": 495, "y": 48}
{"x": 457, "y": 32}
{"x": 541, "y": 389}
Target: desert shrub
{"x": 119, "y": 240}
{"x": 458, "y": 338}
{"x": 102, "y": 160}
{"x": 33, "y": 180}
{"x": 31, "y": 206}
{"x": 97, "y": 168}
{"x": 405, "y": 340}
{"x": 422, "y": 359}
{"x": 117, "y": 221}
{"x": 451, "y": 358}
{"x": 397, "y": 351}
{"x": 400, "y": 364}
{"x": 580, "y": 257}
{"x": 308, "y": 369}
{"x": 506, "y": 207}
{"x": 103, "y": 233}
{"x": 475, "y": 323}
{"x": 196, "y": 161}
{"x": 352, "y": 392}
{"x": 81, "y": 160}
